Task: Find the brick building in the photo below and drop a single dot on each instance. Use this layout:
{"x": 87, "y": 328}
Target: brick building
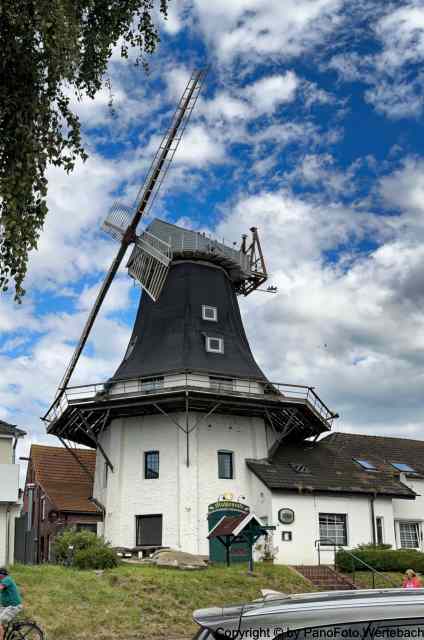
{"x": 58, "y": 494}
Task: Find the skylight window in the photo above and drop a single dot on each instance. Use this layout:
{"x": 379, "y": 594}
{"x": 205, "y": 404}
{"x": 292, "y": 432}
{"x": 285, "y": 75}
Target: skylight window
{"x": 402, "y": 466}
{"x": 299, "y": 468}
{"x": 365, "y": 464}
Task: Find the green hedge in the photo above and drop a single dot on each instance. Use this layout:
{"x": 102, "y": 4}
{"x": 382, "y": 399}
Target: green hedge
{"x": 381, "y": 560}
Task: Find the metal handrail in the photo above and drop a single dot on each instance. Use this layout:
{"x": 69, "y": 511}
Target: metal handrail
{"x": 179, "y": 379}
{"x": 354, "y": 557}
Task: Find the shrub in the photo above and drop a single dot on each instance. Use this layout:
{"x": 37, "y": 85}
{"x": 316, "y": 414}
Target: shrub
{"x": 381, "y": 559}
{"x": 89, "y": 551}
{"x": 95, "y": 557}
{"x": 76, "y": 539}
{"x": 374, "y": 547}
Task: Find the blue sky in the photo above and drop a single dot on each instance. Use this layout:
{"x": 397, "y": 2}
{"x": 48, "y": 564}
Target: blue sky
{"x": 310, "y": 128}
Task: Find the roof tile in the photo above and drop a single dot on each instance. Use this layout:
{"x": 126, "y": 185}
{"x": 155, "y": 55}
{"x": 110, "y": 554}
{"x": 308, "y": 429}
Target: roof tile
{"x": 332, "y": 468}
{"x": 62, "y": 478}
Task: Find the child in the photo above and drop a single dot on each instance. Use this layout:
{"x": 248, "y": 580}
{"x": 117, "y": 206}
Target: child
{"x": 410, "y": 581}
{"x": 10, "y": 600}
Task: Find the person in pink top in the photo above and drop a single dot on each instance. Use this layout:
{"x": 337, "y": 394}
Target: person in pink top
{"x": 411, "y": 580}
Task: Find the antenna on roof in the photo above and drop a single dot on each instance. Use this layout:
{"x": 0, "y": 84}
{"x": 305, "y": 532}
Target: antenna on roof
{"x": 151, "y": 257}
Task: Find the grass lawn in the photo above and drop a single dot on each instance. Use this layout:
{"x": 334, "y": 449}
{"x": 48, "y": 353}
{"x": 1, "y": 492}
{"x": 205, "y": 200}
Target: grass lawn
{"x": 364, "y": 579}
{"x": 138, "y": 601}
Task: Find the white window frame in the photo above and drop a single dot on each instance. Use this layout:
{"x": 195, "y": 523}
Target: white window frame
{"x": 215, "y": 313}
{"x": 43, "y": 508}
{"x": 210, "y": 349}
{"x": 326, "y": 541}
{"x": 418, "y": 525}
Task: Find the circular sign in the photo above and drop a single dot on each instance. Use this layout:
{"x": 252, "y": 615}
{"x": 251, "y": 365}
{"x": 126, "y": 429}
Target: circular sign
{"x": 286, "y": 516}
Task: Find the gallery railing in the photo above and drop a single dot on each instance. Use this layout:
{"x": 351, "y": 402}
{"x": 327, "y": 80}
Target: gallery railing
{"x": 176, "y": 381}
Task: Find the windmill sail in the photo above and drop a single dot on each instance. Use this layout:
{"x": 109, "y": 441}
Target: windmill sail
{"x": 121, "y": 222}
{"x": 117, "y": 221}
{"x": 149, "y": 263}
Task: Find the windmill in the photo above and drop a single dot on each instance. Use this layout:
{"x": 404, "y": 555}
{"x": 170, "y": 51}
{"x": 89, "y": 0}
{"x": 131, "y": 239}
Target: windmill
{"x": 151, "y": 256}
{"x": 188, "y": 325}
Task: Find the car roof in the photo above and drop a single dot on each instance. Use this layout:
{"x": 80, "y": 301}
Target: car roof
{"x": 316, "y": 609}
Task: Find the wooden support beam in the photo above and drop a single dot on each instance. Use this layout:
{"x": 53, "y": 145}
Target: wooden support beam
{"x": 283, "y": 435}
{"x": 80, "y": 462}
{"x": 214, "y": 408}
{"x": 168, "y": 416}
{"x": 94, "y": 439}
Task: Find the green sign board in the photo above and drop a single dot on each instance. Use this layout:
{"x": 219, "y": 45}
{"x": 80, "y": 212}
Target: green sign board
{"x": 216, "y": 511}
{"x": 228, "y": 504}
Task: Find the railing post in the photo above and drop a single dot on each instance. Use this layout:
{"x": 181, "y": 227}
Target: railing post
{"x": 373, "y": 580}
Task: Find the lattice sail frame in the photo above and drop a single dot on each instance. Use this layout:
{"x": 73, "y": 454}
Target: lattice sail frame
{"x": 151, "y": 256}
{"x": 149, "y": 263}
{"x": 117, "y": 221}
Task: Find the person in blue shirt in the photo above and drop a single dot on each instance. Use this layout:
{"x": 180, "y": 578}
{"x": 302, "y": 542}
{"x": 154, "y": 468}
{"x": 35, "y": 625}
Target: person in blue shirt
{"x": 10, "y": 600}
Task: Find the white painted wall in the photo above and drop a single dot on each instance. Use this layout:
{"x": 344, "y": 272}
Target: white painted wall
{"x": 305, "y": 528}
{"x": 9, "y": 494}
{"x": 182, "y": 493}
{"x": 9, "y": 482}
{"x": 410, "y": 510}
{"x": 7, "y": 524}
{"x": 6, "y": 449}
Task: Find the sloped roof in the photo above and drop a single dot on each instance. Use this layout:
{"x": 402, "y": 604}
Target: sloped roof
{"x": 169, "y": 335}
{"x": 62, "y": 478}
{"x": 226, "y": 526}
{"x": 381, "y": 450}
{"x": 330, "y": 466}
{"x": 7, "y": 429}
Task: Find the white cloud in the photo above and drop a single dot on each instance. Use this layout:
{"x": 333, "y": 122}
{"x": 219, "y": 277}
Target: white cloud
{"x": 402, "y": 34}
{"x": 225, "y": 106}
{"x": 320, "y": 172}
{"x": 351, "y": 327}
{"x": 256, "y": 29}
{"x": 396, "y": 88}
{"x": 266, "y": 94}
{"x": 404, "y": 190}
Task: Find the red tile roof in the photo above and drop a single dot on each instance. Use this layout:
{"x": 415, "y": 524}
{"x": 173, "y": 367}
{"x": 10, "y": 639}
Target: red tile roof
{"x": 62, "y": 478}
{"x": 227, "y": 526}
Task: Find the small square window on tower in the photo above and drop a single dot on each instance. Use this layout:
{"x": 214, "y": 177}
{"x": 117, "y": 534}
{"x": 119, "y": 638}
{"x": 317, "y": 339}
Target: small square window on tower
{"x": 214, "y": 345}
{"x": 209, "y": 313}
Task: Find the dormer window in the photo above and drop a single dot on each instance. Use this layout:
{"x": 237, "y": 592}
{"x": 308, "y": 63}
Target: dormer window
{"x": 214, "y": 345}
{"x": 209, "y": 313}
